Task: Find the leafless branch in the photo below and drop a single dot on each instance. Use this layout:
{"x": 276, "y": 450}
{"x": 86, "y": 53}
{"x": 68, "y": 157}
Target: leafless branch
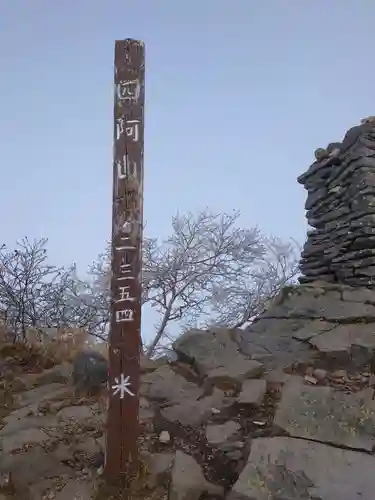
{"x": 208, "y": 271}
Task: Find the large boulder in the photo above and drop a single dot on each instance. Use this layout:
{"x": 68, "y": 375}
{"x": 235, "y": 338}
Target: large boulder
{"x": 331, "y": 322}
{"x": 90, "y": 370}
{"x": 216, "y": 355}
{"x": 295, "y": 469}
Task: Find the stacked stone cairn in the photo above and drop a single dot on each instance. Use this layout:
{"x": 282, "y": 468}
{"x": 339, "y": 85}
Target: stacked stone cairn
{"x": 341, "y": 211}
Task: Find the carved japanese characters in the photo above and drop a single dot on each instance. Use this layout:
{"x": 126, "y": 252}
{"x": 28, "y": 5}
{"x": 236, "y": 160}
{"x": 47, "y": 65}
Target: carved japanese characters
{"x": 127, "y": 217}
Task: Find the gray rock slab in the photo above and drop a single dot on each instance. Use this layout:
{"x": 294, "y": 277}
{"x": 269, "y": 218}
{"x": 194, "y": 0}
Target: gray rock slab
{"x": 363, "y": 295}
{"x": 342, "y": 337}
{"x": 16, "y": 425}
{"x": 188, "y": 481}
{"x": 12, "y": 442}
{"x": 282, "y": 468}
{"x": 159, "y": 466}
{"x": 77, "y": 413}
{"x": 219, "y": 434}
{"x": 146, "y": 364}
{"x": 146, "y": 413}
{"x": 166, "y": 385}
{"x": 277, "y": 377}
{"x": 322, "y": 414}
{"x": 322, "y": 307}
{"x": 252, "y": 392}
{"x": 20, "y": 413}
{"x": 42, "y": 393}
{"x": 271, "y": 342}
{"x": 88, "y": 449}
{"x": 210, "y": 350}
{"x": 60, "y": 374}
{"x": 75, "y": 489}
{"x": 313, "y": 328}
{"x": 193, "y": 413}
{"x": 233, "y": 374}
{"x": 31, "y": 467}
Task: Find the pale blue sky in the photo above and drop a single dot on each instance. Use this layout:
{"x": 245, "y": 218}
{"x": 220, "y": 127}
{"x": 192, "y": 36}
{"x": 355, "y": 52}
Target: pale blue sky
{"x": 238, "y": 95}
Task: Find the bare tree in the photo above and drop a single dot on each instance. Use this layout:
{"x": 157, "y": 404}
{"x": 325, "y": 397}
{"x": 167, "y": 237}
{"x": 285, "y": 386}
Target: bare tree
{"x": 25, "y": 277}
{"x": 238, "y": 302}
{"x": 34, "y": 293}
{"x": 208, "y": 271}
{"x": 78, "y": 303}
{"x": 183, "y": 273}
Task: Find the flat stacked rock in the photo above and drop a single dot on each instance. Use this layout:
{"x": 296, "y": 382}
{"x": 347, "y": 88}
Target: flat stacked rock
{"x": 341, "y": 210}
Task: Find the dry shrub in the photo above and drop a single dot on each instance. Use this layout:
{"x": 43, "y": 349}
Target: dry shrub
{"x": 58, "y": 344}
{"x": 24, "y": 357}
{"x": 14, "y": 350}
{"x": 42, "y": 347}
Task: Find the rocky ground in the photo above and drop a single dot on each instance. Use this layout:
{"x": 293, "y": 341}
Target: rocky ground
{"x": 282, "y": 411}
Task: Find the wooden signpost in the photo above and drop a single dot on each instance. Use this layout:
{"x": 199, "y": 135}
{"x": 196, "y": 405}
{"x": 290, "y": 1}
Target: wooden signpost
{"x": 127, "y": 223}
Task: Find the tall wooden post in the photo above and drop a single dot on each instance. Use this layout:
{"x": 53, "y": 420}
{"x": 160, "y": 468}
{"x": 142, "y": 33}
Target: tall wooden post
{"x": 127, "y": 222}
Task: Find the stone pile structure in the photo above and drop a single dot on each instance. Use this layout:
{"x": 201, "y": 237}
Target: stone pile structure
{"x": 341, "y": 210}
